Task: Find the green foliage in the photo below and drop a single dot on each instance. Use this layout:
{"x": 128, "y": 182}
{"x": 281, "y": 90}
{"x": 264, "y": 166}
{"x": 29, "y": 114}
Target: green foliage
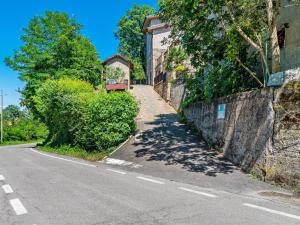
{"x": 218, "y": 51}
{"x": 138, "y": 72}
{"x": 12, "y": 113}
{"x": 224, "y": 79}
{"x": 74, "y": 152}
{"x": 53, "y": 47}
{"x": 176, "y": 59}
{"x": 114, "y": 73}
{"x": 25, "y": 129}
{"x": 61, "y": 104}
{"x": 194, "y": 90}
{"x": 108, "y": 121}
{"x": 130, "y": 35}
{"x": 75, "y": 115}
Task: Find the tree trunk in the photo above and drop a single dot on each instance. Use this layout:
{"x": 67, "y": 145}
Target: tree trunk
{"x": 272, "y": 16}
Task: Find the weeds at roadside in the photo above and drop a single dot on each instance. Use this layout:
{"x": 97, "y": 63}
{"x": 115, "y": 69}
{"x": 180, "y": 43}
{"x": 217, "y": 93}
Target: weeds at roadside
{"x": 75, "y": 152}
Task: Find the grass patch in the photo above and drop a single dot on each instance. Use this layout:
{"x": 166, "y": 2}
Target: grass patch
{"x": 75, "y": 152}
{"x": 8, "y": 143}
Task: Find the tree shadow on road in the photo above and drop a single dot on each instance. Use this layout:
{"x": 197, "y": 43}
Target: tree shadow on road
{"x": 174, "y": 143}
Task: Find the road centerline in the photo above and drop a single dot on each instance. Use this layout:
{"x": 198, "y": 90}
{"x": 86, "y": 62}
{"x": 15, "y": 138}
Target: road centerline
{"x": 271, "y": 211}
{"x": 150, "y": 180}
{"x": 198, "y": 192}
{"x": 7, "y": 189}
{"x": 18, "y": 206}
{"x": 2, "y": 177}
{"x": 116, "y": 171}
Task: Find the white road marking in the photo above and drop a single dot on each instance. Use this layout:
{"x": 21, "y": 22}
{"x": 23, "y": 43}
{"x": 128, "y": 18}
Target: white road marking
{"x": 119, "y": 162}
{"x": 18, "y": 206}
{"x": 2, "y": 177}
{"x": 68, "y": 160}
{"x": 150, "y": 180}
{"x": 198, "y": 192}
{"x": 7, "y": 189}
{"x": 272, "y": 211}
{"x": 116, "y": 171}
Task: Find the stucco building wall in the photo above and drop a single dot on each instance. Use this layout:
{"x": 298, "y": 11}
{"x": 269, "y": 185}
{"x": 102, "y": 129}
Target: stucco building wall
{"x": 119, "y": 63}
{"x": 156, "y": 32}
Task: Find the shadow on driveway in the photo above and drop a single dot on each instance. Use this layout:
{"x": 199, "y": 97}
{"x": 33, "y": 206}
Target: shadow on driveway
{"x": 174, "y": 144}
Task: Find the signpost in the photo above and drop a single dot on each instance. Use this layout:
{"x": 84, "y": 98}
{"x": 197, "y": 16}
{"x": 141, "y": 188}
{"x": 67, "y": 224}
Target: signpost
{"x": 221, "y": 111}
{"x": 276, "y": 79}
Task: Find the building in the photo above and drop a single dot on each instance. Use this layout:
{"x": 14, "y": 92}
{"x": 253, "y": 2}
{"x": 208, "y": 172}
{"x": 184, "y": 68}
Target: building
{"x": 157, "y": 35}
{"x": 288, "y": 26}
{"x": 118, "y": 61}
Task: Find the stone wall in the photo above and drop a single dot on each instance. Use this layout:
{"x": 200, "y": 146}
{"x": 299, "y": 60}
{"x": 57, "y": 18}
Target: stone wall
{"x": 260, "y": 131}
{"x": 282, "y": 164}
{"x": 162, "y": 89}
{"x": 246, "y": 131}
{"x": 177, "y": 94}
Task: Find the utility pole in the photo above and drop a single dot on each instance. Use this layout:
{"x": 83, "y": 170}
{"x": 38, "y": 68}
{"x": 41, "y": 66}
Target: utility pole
{"x": 1, "y": 116}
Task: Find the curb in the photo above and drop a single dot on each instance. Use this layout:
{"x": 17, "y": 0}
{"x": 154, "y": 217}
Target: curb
{"x": 118, "y": 148}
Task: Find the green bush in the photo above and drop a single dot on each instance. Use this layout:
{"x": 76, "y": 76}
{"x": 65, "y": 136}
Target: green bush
{"x": 108, "y": 121}
{"x": 75, "y": 115}
{"x": 61, "y": 104}
{"x": 26, "y": 129}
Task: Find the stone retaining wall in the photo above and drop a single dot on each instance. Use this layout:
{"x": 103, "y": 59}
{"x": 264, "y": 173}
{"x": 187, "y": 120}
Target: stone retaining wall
{"x": 260, "y": 131}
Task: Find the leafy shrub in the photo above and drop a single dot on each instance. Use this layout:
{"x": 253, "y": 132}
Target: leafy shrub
{"x": 60, "y": 104}
{"x": 75, "y": 115}
{"x": 25, "y": 129}
{"x": 108, "y": 121}
{"x": 194, "y": 90}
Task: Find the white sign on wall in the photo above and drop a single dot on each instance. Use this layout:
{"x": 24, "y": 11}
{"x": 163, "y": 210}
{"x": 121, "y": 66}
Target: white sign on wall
{"x": 221, "y": 111}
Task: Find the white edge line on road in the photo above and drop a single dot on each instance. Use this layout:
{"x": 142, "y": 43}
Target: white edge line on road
{"x": 68, "y": 160}
{"x": 272, "y": 211}
{"x": 18, "y": 206}
{"x": 150, "y": 180}
{"x": 117, "y": 149}
{"x": 2, "y": 177}
{"x": 198, "y": 192}
{"x": 7, "y": 189}
{"x": 116, "y": 171}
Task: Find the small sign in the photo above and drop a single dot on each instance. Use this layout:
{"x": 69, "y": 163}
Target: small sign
{"x": 221, "y": 111}
{"x": 276, "y": 79}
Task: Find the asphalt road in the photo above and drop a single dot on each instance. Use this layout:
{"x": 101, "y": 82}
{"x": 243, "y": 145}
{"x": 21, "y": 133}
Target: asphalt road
{"x": 50, "y": 189}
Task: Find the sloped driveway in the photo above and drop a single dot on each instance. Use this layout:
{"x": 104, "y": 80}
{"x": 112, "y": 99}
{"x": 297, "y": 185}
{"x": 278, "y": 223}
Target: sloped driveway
{"x": 167, "y": 148}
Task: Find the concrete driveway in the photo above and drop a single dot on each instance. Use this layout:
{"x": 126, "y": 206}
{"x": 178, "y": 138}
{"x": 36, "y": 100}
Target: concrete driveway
{"x": 168, "y": 149}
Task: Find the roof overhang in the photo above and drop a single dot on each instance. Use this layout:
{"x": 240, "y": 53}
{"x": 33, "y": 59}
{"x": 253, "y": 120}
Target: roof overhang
{"x": 117, "y": 56}
{"x": 147, "y": 22}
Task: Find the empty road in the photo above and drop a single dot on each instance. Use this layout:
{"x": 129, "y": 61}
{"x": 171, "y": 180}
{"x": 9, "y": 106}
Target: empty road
{"x": 45, "y": 189}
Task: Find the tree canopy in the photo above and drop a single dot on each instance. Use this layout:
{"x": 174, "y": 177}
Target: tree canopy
{"x": 53, "y": 47}
{"x": 12, "y": 113}
{"x": 131, "y": 38}
{"x": 213, "y": 30}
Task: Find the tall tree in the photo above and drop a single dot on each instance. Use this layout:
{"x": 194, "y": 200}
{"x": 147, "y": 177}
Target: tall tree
{"x": 213, "y": 28}
{"x": 53, "y": 47}
{"x": 130, "y": 35}
{"x": 12, "y": 113}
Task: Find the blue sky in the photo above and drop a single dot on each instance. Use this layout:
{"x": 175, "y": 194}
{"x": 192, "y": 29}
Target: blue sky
{"x": 98, "y": 17}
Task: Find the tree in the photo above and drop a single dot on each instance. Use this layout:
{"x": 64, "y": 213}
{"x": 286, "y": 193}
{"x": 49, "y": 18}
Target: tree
{"x": 138, "y": 72}
{"x": 130, "y": 35}
{"x": 53, "y": 47}
{"x": 215, "y": 29}
{"x": 12, "y": 113}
